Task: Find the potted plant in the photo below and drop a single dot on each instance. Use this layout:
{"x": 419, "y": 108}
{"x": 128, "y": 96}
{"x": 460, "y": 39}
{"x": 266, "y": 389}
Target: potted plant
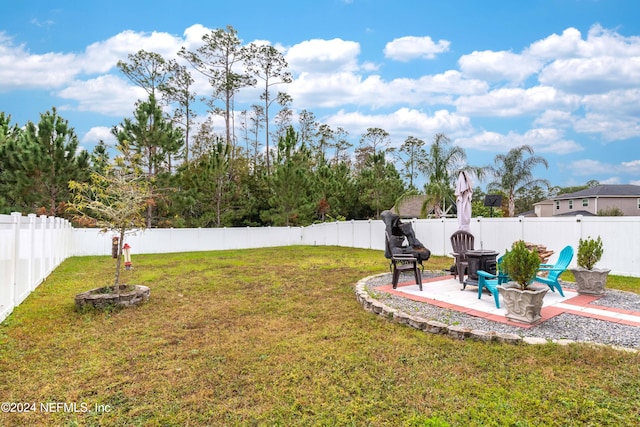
{"x": 522, "y": 300}
{"x": 113, "y": 200}
{"x": 590, "y": 280}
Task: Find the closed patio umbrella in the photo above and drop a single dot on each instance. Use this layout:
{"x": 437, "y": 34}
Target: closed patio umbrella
{"x": 464, "y": 191}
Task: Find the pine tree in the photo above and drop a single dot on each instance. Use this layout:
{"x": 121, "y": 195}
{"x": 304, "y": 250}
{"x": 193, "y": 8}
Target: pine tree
{"x": 41, "y": 162}
{"x": 151, "y": 136}
{"x": 290, "y": 184}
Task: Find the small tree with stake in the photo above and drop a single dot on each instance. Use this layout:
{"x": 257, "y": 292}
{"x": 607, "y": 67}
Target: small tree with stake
{"x": 114, "y": 201}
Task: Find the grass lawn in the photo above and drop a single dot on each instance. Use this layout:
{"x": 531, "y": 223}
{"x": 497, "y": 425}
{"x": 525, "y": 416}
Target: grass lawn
{"x": 276, "y": 337}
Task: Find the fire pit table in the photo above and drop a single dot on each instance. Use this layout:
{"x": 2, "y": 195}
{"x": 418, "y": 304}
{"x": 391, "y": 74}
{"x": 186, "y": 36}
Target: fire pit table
{"x": 479, "y": 260}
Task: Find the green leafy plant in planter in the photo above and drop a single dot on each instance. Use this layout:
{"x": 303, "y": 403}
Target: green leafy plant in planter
{"x": 589, "y": 252}
{"x": 522, "y": 301}
{"x": 521, "y": 264}
{"x": 590, "y": 280}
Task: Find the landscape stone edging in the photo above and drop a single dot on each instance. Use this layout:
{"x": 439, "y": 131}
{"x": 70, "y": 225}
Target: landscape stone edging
{"x": 455, "y": 331}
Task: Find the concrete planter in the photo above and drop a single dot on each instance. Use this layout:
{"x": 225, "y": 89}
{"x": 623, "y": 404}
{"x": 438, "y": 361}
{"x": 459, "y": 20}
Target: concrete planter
{"x": 100, "y": 298}
{"x": 590, "y": 282}
{"x": 522, "y": 306}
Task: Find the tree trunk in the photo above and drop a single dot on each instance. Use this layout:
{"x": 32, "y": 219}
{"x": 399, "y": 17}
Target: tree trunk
{"x": 116, "y": 285}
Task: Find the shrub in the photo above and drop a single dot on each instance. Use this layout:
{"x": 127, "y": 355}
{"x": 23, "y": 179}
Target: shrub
{"x": 521, "y": 264}
{"x": 589, "y": 252}
{"x": 611, "y": 211}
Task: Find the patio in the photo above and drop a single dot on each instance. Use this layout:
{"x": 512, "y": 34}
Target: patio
{"x": 442, "y": 307}
{"x": 446, "y": 292}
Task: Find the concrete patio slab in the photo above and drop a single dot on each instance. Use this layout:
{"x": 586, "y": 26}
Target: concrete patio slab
{"x": 447, "y": 292}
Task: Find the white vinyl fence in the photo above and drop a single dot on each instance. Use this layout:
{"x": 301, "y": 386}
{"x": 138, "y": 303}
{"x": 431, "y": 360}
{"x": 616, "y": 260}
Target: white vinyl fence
{"x": 31, "y": 247}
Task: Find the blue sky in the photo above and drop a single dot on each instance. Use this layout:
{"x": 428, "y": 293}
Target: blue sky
{"x": 560, "y": 75}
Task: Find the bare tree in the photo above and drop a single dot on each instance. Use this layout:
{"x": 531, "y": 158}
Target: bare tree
{"x": 373, "y": 141}
{"x": 268, "y": 65}
{"x": 177, "y": 89}
{"x": 342, "y": 145}
{"x": 221, "y": 59}
{"x": 411, "y": 154}
{"x": 307, "y": 127}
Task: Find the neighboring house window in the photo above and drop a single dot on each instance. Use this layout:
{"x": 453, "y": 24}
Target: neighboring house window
{"x": 638, "y": 203}
{"x": 585, "y": 203}
{"x": 570, "y": 204}
{"x": 558, "y": 204}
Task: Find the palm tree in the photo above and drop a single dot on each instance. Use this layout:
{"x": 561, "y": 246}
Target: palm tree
{"x": 443, "y": 161}
{"x": 513, "y": 173}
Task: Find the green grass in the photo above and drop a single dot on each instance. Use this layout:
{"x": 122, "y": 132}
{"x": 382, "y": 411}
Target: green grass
{"x": 276, "y": 337}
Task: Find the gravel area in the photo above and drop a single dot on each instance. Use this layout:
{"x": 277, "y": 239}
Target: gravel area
{"x": 564, "y": 326}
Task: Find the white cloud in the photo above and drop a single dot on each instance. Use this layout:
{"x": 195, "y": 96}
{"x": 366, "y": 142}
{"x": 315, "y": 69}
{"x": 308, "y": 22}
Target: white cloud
{"x": 568, "y": 44}
{"x": 592, "y": 75}
{"x": 193, "y": 36}
{"x": 604, "y": 61}
{"x": 102, "y": 56}
{"x": 609, "y": 126}
{"x": 369, "y": 66}
{"x": 542, "y": 140}
{"x": 323, "y": 56}
{"x": 96, "y": 134}
{"x": 20, "y": 69}
{"x": 611, "y": 181}
{"x": 485, "y": 141}
{"x": 633, "y": 165}
{"x": 507, "y": 102}
{"x": 599, "y": 42}
{"x": 450, "y": 82}
{"x": 623, "y": 102}
{"x": 411, "y": 47}
{"x": 590, "y": 167}
{"x": 107, "y": 94}
{"x": 499, "y": 66}
{"x": 402, "y": 123}
{"x": 337, "y": 89}
{"x": 327, "y": 90}
{"x": 554, "y": 118}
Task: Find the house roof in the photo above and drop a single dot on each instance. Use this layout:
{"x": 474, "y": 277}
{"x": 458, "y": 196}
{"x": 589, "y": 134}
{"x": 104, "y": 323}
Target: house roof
{"x": 575, "y": 213}
{"x": 410, "y": 207}
{"x": 609, "y": 190}
{"x": 530, "y": 214}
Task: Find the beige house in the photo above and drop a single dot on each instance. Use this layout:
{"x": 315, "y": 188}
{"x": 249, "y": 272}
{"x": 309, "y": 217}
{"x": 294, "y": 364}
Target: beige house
{"x": 593, "y": 200}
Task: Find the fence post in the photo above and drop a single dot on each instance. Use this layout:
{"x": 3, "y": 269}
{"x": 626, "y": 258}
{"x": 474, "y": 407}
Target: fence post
{"x": 13, "y": 281}
{"x": 579, "y": 221}
{"x": 43, "y": 234}
{"x": 444, "y": 236}
{"x": 480, "y": 231}
{"x": 32, "y": 252}
{"x": 50, "y": 231}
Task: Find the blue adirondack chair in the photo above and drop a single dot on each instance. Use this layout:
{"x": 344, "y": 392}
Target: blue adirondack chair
{"x": 492, "y": 281}
{"x": 555, "y": 270}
